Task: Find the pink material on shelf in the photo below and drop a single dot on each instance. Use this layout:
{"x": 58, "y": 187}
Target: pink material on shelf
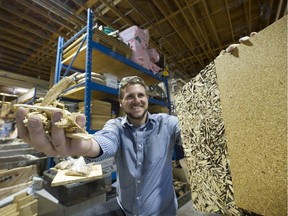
{"x": 154, "y": 55}
{"x": 134, "y": 32}
{"x": 154, "y": 68}
{"x": 139, "y": 54}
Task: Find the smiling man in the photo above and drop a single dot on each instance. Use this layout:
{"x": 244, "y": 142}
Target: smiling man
{"x": 141, "y": 143}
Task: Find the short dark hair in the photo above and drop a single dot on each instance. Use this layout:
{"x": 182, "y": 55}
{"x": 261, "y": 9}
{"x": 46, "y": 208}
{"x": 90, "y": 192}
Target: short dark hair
{"x": 128, "y": 81}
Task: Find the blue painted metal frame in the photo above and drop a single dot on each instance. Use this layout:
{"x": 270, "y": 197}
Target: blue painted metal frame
{"x": 89, "y": 86}
{"x": 87, "y": 96}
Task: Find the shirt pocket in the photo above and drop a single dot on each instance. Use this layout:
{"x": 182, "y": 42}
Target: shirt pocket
{"x": 155, "y": 148}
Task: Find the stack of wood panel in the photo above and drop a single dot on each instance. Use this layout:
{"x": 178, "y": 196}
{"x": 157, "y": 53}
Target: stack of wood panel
{"x": 95, "y": 77}
{"x": 100, "y": 37}
{"x": 100, "y": 113}
{"x": 14, "y": 180}
{"x": 22, "y": 205}
{"x": 251, "y": 149}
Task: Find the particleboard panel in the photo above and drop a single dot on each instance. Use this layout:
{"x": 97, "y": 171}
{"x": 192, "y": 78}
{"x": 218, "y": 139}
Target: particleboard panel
{"x": 253, "y": 86}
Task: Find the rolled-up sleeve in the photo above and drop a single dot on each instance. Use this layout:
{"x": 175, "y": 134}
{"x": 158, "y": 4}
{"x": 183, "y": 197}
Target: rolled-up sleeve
{"x": 108, "y": 139}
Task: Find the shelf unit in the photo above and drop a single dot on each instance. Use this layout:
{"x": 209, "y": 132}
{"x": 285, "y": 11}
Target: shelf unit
{"x": 93, "y": 56}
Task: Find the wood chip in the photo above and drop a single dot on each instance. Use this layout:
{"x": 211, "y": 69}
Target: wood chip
{"x": 203, "y": 134}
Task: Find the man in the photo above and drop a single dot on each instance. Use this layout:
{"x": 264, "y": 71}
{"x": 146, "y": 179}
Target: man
{"x": 142, "y": 144}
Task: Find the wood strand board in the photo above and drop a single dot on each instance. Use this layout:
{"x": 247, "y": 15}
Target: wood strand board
{"x": 253, "y": 88}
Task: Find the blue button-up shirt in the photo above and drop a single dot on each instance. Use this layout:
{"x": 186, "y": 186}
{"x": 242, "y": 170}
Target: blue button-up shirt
{"x": 143, "y": 156}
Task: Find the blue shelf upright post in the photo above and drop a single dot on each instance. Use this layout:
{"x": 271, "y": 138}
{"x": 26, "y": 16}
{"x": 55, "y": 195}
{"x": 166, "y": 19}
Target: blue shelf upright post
{"x": 88, "y": 68}
{"x": 59, "y": 60}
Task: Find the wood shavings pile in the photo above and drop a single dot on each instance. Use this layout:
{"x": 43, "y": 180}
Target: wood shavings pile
{"x": 202, "y": 129}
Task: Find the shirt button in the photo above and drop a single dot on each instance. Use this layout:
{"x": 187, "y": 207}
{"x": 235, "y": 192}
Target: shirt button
{"x": 138, "y": 181}
{"x": 139, "y": 163}
{"x": 137, "y": 198}
{"x": 139, "y": 146}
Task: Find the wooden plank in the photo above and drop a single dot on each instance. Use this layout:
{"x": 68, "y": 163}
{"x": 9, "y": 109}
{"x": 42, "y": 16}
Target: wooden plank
{"x": 62, "y": 179}
{"x": 27, "y": 96}
{"x": 253, "y": 88}
{"x": 7, "y": 191}
{"x": 17, "y": 176}
{"x": 11, "y": 152}
{"x": 23, "y": 201}
{"x": 8, "y": 209}
{"x": 29, "y": 209}
{"x": 19, "y": 196}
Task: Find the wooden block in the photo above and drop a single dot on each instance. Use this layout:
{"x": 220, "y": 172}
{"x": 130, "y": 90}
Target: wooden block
{"x": 253, "y": 86}
{"x": 62, "y": 179}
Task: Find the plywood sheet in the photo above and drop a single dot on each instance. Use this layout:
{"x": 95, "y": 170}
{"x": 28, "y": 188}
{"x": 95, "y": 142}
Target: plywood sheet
{"x": 253, "y": 86}
{"x": 62, "y": 179}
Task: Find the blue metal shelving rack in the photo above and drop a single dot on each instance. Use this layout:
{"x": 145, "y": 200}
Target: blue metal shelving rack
{"x": 89, "y": 85}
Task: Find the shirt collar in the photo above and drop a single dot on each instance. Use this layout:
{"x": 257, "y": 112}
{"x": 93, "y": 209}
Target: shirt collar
{"x": 151, "y": 118}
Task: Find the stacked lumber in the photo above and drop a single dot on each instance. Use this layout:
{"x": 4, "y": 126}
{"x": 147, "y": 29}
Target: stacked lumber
{"x": 100, "y": 37}
{"x": 95, "y": 77}
{"x": 100, "y": 113}
{"x": 22, "y": 205}
{"x": 14, "y": 180}
{"x": 202, "y": 131}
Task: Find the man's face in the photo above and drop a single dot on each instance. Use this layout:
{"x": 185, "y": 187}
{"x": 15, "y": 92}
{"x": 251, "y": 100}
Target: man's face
{"x": 135, "y": 102}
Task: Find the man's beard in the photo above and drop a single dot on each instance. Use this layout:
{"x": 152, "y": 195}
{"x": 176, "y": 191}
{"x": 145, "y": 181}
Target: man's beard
{"x": 131, "y": 116}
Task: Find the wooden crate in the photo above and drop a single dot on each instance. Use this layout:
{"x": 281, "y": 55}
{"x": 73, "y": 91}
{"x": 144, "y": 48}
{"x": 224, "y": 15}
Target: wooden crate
{"x": 253, "y": 86}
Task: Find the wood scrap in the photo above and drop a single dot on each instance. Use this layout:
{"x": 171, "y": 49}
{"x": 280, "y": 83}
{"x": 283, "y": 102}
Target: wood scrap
{"x": 79, "y": 168}
{"x": 44, "y": 108}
